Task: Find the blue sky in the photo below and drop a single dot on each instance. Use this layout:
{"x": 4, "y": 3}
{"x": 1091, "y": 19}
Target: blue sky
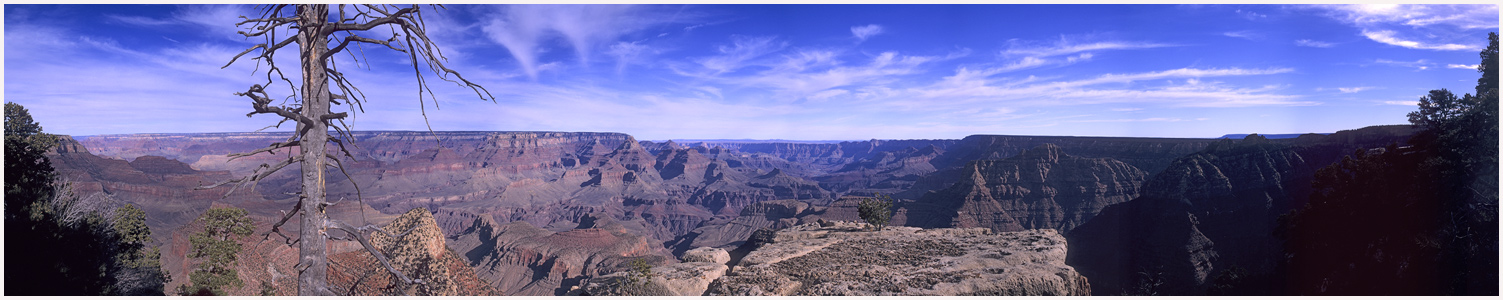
{"x": 801, "y": 72}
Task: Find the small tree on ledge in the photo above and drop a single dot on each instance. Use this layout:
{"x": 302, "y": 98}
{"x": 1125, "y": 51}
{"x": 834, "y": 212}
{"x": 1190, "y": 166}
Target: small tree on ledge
{"x": 876, "y": 211}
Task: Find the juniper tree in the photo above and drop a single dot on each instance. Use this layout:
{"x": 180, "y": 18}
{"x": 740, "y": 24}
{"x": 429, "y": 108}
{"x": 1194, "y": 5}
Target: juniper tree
{"x": 320, "y": 34}
{"x": 217, "y": 246}
{"x": 876, "y": 211}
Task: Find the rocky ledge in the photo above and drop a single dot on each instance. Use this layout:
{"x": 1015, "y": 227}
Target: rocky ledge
{"x": 843, "y": 258}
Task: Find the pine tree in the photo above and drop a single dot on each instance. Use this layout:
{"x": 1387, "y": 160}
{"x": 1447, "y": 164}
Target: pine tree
{"x": 216, "y": 246}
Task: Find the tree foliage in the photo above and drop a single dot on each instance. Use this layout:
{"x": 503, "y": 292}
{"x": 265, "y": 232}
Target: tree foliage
{"x": 28, "y": 172}
{"x": 1411, "y": 220}
{"x": 56, "y": 247}
{"x": 876, "y": 211}
{"x": 142, "y": 263}
{"x": 217, "y": 247}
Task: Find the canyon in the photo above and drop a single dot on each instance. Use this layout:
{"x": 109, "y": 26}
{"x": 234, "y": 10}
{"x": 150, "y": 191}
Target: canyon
{"x": 541, "y": 213}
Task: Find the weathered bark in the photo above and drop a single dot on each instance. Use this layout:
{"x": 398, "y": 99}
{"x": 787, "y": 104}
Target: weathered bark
{"x": 313, "y": 278}
{"x": 312, "y": 113}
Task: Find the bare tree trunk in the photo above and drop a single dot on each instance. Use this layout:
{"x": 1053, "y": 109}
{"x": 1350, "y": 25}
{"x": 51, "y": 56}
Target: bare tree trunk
{"x": 313, "y": 278}
{"x": 314, "y": 29}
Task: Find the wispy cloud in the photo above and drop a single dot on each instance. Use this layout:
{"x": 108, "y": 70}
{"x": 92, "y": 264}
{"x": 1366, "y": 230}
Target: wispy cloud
{"x": 141, "y": 20}
{"x": 525, "y": 30}
{"x": 1313, "y": 43}
{"x": 815, "y": 77}
{"x": 627, "y": 53}
{"x": 1427, "y": 27}
{"x": 1137, "y": 120}
{"x": 1251, "y": 15}
{"x": 1421, "y": 64}
{"x": 968, "y": 87}
{"x": 1461, "y": 66}
{"x": 1076, "y": 48}
{"x": 1070, "y": 45}
{"x": 739, "y": 51}
{"x": 864, "y": 32}
{"x": 1348, "y": 90}
{"x": 1244, "y": 34}
{"x": 1464, "y": 16}
{"x": 1404, "y": 103}
{"x": 1387, "y": 37}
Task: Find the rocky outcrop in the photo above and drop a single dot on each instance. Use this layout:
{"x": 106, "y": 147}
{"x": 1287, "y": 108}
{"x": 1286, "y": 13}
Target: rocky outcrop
{"x": 700, "y": 267}
{"x": 420, "y": 254}
{"x": 1037, "y": 189}
{"x": 525, "y": 260}
{"x": 724, "y": 233}
{"x": 844, "y": 259}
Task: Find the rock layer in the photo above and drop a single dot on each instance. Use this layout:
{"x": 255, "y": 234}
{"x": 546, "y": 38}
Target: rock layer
{"x": 1037, "y": 189}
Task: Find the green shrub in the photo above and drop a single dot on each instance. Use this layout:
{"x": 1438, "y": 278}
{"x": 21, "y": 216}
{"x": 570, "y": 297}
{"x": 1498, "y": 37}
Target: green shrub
{"x": 876, "y": 211}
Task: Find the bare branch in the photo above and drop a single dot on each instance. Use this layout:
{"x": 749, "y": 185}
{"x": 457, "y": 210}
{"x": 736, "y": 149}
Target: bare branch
{"x": 259, "y": 173}
{"x": 360, "y": 235}
{"x": 266, "y": 52}
{"x": 277, "y": 228}
{"x": 356, "y": 38}
{"x": 269, "y": 149}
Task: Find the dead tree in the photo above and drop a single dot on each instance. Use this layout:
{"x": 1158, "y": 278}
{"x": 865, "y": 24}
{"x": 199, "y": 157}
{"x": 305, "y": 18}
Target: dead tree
{"x": 314, "y": 28}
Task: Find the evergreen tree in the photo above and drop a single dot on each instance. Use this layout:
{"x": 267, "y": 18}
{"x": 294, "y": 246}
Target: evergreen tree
{"x": 876, "y": 211}
{"x": 140, "y": 263}
{"x": 60, "y": 248}
{"x": 216, "y": 246}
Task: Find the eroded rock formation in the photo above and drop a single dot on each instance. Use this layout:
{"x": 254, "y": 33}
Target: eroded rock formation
{"x": 1040, "y": 188}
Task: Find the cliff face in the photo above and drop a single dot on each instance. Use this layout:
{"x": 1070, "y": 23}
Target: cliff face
{"x": 1209, "y": 211}
{"x": 1148, "y": 154}
{"x": 840, "y": 258}
{"x": 1040, "y": 188}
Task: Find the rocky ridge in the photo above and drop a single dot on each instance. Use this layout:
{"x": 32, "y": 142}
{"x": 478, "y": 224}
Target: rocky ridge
{"x": 419, "y": 253}
{"x": 843, "y": 258}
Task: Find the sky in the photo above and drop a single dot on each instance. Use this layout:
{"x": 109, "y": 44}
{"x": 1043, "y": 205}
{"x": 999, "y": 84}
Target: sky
{"x": 794, "y": 72}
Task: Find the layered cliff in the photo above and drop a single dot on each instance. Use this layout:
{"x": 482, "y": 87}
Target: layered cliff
{"x": 1041, "y": 188}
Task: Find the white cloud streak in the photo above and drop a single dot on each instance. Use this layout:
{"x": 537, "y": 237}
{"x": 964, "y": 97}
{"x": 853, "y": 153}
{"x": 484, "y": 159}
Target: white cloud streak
{"x": 1066, "y": 46}
{"x": 864, "y": 32}
{"x": 1425, "y": 27}
{"x": 1313, "y": 43}
{"x": 525, "y": 30}
{"x": 970, "y": 87}
{"x": 1387, "y": 37}
{"x": 1244, "y": 34}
